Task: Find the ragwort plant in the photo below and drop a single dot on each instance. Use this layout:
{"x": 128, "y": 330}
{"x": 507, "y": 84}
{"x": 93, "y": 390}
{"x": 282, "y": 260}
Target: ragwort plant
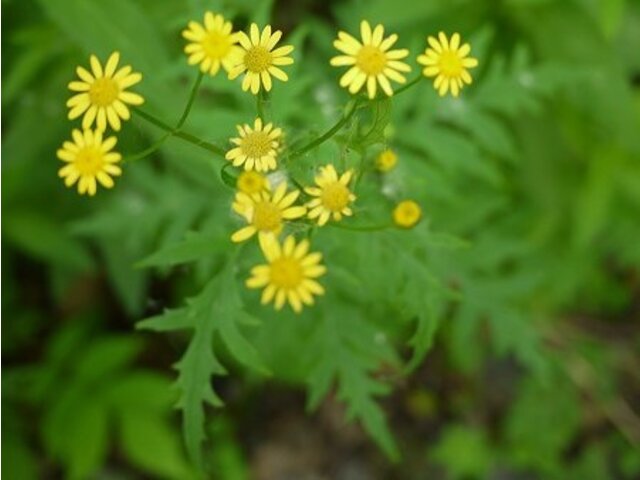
{"x": 278, "y": 214}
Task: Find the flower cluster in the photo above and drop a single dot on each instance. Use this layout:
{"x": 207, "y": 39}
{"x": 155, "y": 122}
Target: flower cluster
{"x": 100, "y": 97}
{"x": 264, "y": 200}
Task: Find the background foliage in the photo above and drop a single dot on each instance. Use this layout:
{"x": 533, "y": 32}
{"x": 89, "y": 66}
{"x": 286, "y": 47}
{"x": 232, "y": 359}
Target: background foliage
{"x": 498, "y": 339}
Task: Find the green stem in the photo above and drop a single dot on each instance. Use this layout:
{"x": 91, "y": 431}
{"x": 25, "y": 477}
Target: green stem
{"x": 260, "y": 104}
{"x": 349, "y": 111}
{"x": 192, "y": 97}
{"x": 180, "y": 134}
{"x": 147, "y": 151}
{"x": 407, "y": 86}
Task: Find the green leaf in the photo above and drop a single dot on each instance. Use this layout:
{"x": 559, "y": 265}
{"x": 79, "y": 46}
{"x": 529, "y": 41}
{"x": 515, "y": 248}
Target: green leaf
{"x": 216, "y": 311}
{"x": 149, "y": 443}
{"x": 75, "y": 431}
{"x": 40, "y": 236}
{"x": 347, "y": 352}
{"x": 141, "y": 389}
{"x": 192, "y": 248}
{"x": 106, "y": 356}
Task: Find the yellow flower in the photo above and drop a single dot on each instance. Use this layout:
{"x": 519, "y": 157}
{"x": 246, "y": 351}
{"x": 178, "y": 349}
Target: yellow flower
{"x": 251, "y": 182}
{"x": 256, "y": 148}
{"x": 448, "y": 62}
{"x": 89, "y": 158}
{"x": 103, "y": 93}
{"x": 333, "y": 195}
{"x": 386, "y": 160}
{"x": 259, "y": 59}
{"x": 265, "y": 212}
{"x": 289, "y": 275}
{"x": 371, "y": 61}
{"x": 212, "y": 44}
{"x": 407, "y": 214}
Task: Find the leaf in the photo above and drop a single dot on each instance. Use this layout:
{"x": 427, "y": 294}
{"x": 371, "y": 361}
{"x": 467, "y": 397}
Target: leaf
{"x": 216, "y": 311}
{"x": 149, "y": 443}
{"x": 192, "y": 248}
{"x": 40, "y": 236}
{"x": 75, "y": 431}
{"x": 346, "y": 352}
{"x": 141, "y": 389}
{"x": 106, "y": 356}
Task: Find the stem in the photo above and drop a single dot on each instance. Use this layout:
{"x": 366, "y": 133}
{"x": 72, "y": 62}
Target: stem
{"x": 180, "y": 134}
{"x": 192, "y": 97}
{"x": 407, "y": 86}
{"x": 260, "y": 103}
{"x": 349, "y": 111}
{"x": 147, "y": 151}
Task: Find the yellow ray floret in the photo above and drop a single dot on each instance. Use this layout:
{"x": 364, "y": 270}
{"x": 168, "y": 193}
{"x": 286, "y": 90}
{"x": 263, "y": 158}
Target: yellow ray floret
{"x": 212, "y": 44}
{"x": 407, "y": 214}
{"x": 265, "y": 212}
{"x": 290, "y": 274}
{"x": 448, "y": 62}
{"x": 260, "y": 60}
{"x": 89, "y": 160}
{"x": 102, "y": 93}
{"x": 333, "y": 196}
{"x": 386, "y": 160}
{"x": 256, "y": 148}
{"x": 371, "y": 61}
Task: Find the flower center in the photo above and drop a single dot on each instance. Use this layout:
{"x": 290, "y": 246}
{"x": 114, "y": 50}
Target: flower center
{"x": 257, "y": 59}
{"x": 371, "y": 60}
{"x": 251, "y": 182}
{"x": 286, "y": 273}
{"x": 267, "y": 216}
{"x": 450, "y": 64}
{"x": 89, "y": 161}
{"x": 256, "y": 145}
{"x": 335, "y": 196}
{"x": 216, "y": 45}
{"x": 104, "y": 91}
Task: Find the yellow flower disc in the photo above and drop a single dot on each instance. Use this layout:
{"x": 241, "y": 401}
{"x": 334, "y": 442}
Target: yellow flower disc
{"x": 407, "y": 214}
{"x": 290, "y": 274}
{"x": 212, "y": 44}
{"x": 333, "y": 196}
{"x": 260, "y": 60}
{"x": 448, "y": 62}
{"x": 89, "y": 160}
{"x": 372, "y": 61}
{"x": 265, "y": 212}
{"x": 102, "y": 94}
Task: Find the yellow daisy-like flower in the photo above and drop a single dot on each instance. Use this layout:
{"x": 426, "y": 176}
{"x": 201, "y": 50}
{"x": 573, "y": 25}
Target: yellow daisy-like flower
{"x": 259, "y": 59}
{"x": 103, "y": 94}
{"x": 251, "y": 182}
{"x": 386, "y": 160}
{"x": 407, "y": 214}
{"x": 448, "y": 62}
{"x": 256, "y": 148}
{"x": 290, "y": 274}
{"x": 371, "y": 61}
{"x": 265, "y": 212}
{"x": 89, "y": 158}
{"x": 212, "y": 44}
{"x": 333, "y": 195}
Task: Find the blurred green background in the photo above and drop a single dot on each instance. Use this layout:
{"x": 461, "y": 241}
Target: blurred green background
{"x": 498, "y": 340}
